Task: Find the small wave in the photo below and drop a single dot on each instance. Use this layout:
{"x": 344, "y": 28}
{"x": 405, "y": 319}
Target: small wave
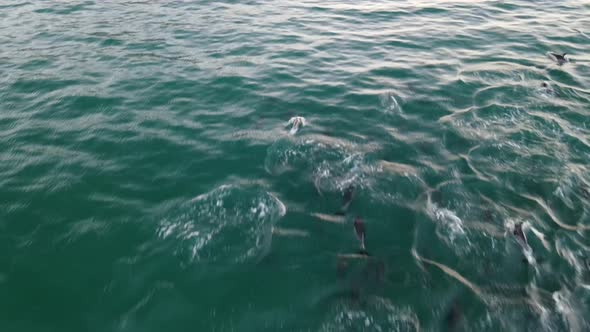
{"x": 289, "y": 232}
{"x": 329, "y": 218}
{"x": 566, "y": 306}
{"x": 485, "y": 295}
{"x": 582, "y": 33}
{"x": 398, "y": 168}
{"x": 571, "y": 185}
{"x": 553, "y": 216}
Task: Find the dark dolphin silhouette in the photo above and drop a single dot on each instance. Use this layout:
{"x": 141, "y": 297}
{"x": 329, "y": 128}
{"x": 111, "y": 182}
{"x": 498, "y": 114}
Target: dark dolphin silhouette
{"x": 453, "y": 316}
{"x": 559, "y": 58}
{"x": 548, "y": 89}
{"x": 519, "y": 234}
{"x": 360, "y": 231}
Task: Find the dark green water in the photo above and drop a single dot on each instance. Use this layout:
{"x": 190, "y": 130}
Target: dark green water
{"x": 148, "y": 181}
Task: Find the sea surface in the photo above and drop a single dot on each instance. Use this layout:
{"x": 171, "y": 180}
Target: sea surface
{"x": 150, "y": 179}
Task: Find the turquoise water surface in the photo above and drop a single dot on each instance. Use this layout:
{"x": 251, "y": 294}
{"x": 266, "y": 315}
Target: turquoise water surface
{"x": 149, "y": 180}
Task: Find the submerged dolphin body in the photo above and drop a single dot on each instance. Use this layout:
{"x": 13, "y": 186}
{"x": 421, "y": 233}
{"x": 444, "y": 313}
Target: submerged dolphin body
{"x": 347, "y": 197}
{"x": 453, "y": 316}
{"x": 346, "y": 200}
{"x": 548, "y": 89}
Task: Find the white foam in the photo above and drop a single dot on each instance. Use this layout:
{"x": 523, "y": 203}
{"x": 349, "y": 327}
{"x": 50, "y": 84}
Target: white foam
{"x": 296, "y": 122}
{"x": 229, "y": 223}
{"x": 289, "y": 232}
{"x": 447, "y": 218}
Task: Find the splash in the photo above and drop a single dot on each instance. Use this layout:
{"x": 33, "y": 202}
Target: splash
{"x": 390, "y": 103}
{"x": 228, "y": 224}
{"x": 338, "y": 175}
{"x": 447, "y": 220}
{"x": 296, "y": 122}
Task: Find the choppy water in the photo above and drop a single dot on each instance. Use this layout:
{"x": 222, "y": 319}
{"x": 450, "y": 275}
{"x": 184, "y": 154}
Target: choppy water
{"x": 148, "y": 181}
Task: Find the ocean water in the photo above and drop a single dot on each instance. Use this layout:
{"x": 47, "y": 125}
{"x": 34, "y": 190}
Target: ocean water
{"x": 149, "y": 180}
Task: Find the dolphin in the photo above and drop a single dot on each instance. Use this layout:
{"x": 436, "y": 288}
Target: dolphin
{"x": 360, "y": 230}
{"x": 341, "y": 267}
{"x": 546, "y": 87}
{"x": 346, "y": 200}
{"x": 519, "y": 234}
{"x": 347, "y": 197}
{"x": 453, "y": 316}
{"x": 559, "y": 58}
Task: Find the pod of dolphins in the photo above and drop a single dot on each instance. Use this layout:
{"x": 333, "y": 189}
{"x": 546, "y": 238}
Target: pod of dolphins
{"x": 454, "y": 314}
